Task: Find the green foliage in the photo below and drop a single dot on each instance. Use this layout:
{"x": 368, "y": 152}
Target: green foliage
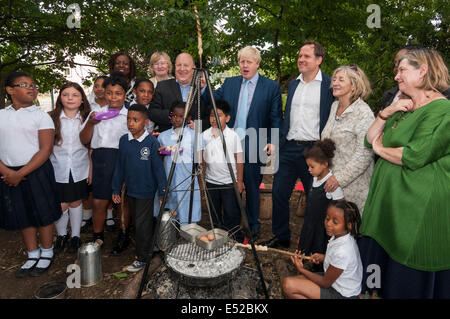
{"x": 35, "y": 38}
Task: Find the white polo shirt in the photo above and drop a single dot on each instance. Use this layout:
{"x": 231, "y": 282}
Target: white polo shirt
{"x": 343, "y": 253}
{"x": 216, "y": 165}
{"x": 70, "y": 155}
{"x": 107, "y": 133}
{"x": 95, "y": 106}
{"x": 305, "y": 110}
{"x": 19, "y": 139}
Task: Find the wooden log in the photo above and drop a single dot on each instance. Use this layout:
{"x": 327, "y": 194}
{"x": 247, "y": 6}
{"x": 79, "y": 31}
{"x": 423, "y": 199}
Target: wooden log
{"x": 132, "y": 289}
{"x": 265, "y": 206}
{"x": 301, "y": 205}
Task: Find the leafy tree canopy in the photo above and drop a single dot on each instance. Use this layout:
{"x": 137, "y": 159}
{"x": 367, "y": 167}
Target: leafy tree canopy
{"x": 35, "y": 37}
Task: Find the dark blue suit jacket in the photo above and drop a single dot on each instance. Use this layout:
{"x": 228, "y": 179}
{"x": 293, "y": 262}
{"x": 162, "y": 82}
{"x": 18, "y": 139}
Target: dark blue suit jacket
{"x": 326, "y": 99}
{"x": 265, "y": 107}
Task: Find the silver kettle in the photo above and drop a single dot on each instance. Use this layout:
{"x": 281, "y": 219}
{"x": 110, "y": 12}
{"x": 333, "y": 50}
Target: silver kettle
{"x": 90, "y": 262}
{"x": 167, "y": 233}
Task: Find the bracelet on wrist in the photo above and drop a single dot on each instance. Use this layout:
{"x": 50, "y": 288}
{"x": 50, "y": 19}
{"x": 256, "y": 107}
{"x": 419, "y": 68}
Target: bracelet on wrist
{"x": 382, "y": 117}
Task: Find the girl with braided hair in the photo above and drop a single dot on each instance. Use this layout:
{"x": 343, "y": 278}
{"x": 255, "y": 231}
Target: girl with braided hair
{"x": 342, "y": 262}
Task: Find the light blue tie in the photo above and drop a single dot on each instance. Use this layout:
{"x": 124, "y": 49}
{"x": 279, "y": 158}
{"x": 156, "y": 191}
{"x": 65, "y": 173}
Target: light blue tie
{"x": 241, "y": 119}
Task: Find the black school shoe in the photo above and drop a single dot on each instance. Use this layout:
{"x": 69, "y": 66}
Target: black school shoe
{"x": 24, "y": 272}
{"x": 87, "y": 223}
{"x": 37, "y": 271}
{"x": 122, "y": 242}
{"x": 276, "y": 243}
{"x": 60, "y": 244}
{"x": 110, "y": 228}
{"x": 96, "y": 236}
{"x": 74, "y": 244}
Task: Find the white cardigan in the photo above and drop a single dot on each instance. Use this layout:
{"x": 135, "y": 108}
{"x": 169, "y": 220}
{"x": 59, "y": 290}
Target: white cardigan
{"x": 353, "y": 162}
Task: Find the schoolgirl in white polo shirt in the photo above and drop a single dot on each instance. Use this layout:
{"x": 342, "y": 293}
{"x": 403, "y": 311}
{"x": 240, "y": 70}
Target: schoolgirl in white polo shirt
{"x": 341, "y": 262}
{"x": 28, "y": 197}
{"x": 70, "y": 160}
{"x": 97, "y": 101}
{"x": 104, "y": 137}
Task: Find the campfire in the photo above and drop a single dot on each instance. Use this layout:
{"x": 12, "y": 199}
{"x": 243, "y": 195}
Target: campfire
{"x": 199, "y": 267}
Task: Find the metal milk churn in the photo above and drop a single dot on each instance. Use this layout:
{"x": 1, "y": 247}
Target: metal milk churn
{"x": 90, "y": 261}
{"x": 167, "y": 233}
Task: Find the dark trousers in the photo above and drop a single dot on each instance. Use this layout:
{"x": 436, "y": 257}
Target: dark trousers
{"x": 291, "y": 166}
{"x": 252, "y": 180}
{"x": 142, "y": 215}
{"x": 225, "y": 209}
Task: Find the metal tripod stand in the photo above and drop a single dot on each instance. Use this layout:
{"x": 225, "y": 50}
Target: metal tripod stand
{"x": 195, "y": 88}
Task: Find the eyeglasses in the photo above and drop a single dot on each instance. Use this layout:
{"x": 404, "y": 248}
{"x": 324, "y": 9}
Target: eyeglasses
{"x": 160, "y": 63}
{"x": 25, "y": 85}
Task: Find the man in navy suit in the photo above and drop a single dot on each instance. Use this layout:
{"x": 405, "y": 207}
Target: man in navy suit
{"x": 307, "y": 109}
{"x": 255, "y": 108}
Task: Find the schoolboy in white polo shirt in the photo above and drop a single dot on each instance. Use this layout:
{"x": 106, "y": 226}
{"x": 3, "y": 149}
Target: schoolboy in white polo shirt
{"x": 219, "y": 183}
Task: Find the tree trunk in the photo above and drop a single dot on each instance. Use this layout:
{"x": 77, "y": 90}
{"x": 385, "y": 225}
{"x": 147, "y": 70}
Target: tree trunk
{"x": 275, "y": 44}
{"x": 2, "y": 91}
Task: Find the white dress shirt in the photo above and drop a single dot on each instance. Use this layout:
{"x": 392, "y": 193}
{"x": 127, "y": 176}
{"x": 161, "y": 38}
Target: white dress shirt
{"x": 305, "y": 110}
{"x": 19, "y": 139}
{"x": 70, "y": 155}
{"x": 216, "y": 165}
{"x": 107, "y": 133}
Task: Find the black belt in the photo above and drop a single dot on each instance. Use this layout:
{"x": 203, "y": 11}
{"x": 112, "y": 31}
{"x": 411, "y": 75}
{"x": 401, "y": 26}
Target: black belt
{"x": 303, "y": 143}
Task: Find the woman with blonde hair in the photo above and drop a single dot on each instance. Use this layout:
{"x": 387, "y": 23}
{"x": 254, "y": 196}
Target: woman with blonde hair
{"x": 160, "y": 67}
{"x": 407, "y": 212}
{"x": 350, "y": 117}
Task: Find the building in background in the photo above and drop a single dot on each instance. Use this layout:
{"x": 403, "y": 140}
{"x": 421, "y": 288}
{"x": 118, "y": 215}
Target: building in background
{"x": 80, "y": 72}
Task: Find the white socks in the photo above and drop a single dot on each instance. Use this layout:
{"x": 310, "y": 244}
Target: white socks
{"x": 38, "y": 253}
{"x": 76, "y": 216}
{"x": 109, "y": 216}
{"x": 32, "y": 254}
{"x": 44, "y": 263}
{"x": 61, "y": 224}
{"x": 87, "y": 214}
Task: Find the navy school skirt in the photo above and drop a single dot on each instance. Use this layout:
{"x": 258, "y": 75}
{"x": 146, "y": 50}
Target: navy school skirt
{"x": 103, "y": 162}
{"x": 32, "y": 203}
{"x": 71, "y": 191}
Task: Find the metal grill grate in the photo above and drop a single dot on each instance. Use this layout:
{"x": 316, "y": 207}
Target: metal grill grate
{"x": 187, "y": 251}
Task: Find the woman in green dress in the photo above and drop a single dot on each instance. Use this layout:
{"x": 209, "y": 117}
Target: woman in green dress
{"x": 406, "y": 220}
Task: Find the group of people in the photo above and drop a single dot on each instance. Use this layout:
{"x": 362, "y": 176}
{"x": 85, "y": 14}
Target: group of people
{"x": 360, "y": 211}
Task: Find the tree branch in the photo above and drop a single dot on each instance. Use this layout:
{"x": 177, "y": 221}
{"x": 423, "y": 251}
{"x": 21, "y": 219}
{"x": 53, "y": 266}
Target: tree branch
{"x": 2, "y": 65}
{"x": 266, "y": 9}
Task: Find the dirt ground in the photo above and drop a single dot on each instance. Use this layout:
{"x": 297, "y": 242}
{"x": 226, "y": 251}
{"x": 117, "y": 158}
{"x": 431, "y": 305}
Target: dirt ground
{"x": 13, "y": 255}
